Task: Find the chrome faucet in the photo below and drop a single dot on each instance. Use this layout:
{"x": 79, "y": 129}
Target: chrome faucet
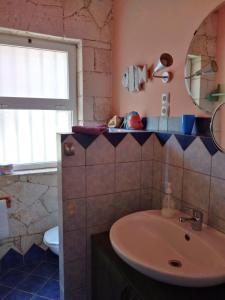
{"x": 196, "y": 220}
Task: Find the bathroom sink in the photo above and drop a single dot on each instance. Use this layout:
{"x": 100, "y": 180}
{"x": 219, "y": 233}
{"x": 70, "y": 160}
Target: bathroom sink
{"x": 170, "y": 251}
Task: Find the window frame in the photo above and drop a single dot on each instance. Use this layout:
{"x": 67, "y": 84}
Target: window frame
{"x": 40, "y": 41}
{"x": 35, "y": 166}
{"x": 43, "y": 103}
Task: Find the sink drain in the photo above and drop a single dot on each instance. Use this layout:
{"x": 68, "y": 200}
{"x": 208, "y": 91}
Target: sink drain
{"x": 175, "y": 263}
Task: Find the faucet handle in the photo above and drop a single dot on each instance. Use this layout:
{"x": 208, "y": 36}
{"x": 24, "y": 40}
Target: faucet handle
{"x": 196, "y": 219}
{"x": 198, "y": 214}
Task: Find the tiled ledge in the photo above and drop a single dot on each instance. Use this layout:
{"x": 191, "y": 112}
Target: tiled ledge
{"x": 185, "y": 140}
{"x": 46, "y": 171}
{"x": 115, "y": 136}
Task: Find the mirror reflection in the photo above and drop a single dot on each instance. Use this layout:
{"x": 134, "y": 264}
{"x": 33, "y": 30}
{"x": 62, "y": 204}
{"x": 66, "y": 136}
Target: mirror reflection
{"x": 218, "y": 127}
{"x": 205, "y": 63}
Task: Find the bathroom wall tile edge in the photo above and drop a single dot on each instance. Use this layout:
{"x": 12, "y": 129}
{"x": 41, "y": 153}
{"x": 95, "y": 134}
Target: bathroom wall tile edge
{"x": 141, "y": 137}
{"x": 123, "y": 172}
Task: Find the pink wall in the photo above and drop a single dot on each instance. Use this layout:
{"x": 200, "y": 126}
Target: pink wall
{"x": 142, "y": 31}
{"x": 221, "y": 64}
{"x": 221, "y": 46}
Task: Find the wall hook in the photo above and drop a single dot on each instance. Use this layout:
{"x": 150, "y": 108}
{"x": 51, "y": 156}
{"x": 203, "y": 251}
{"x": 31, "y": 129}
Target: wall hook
{"x": 69, "y": 149}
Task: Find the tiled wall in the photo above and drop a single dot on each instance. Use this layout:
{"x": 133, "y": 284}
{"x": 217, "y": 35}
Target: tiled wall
{"x": 118, "y": 173}
{"x": 34, "y": 209}
{"x": 104, "y": 181}
{"x": 87, "y": 20}
{"x": 197, "y": 174}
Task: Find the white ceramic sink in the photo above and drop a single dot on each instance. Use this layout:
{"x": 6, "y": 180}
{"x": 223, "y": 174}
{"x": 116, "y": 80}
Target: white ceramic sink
{"x": 148, "y": 242}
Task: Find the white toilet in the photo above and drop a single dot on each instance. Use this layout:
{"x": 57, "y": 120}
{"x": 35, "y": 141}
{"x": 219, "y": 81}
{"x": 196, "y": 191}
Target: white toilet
{"x": 51, "y": 239}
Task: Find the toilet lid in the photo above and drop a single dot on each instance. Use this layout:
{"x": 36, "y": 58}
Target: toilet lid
{"x": 52, "y": 236}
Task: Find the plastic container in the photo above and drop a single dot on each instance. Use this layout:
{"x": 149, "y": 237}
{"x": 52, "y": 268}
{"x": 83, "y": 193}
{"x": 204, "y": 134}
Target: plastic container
{"x": 168, "y": 204}
{"x": 187, "y": 123}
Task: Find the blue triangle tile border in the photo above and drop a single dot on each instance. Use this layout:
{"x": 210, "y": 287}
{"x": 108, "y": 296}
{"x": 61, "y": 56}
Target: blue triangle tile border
{"x": 184, "y": 140}
{"x": 13, "y": 259}
{"x": 141, "y": 137}
{"x": 34, "y": 254}
{"x": 163, "y": 137}
{"x": 209, "y": 144}
{"x": 85, "y": 140}
{"x": 10, "y": 260}
{"x": 115, "y": 138}
{"x": 64, "y": 137}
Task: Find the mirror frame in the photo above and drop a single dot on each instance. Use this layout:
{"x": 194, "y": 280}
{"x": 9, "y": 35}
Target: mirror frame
{"x": 211, "y": 128}
{"x": 210, "y": 113}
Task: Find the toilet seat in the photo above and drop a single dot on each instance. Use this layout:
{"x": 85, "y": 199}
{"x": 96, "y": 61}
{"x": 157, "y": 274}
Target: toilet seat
{"x": 51, "y": 239}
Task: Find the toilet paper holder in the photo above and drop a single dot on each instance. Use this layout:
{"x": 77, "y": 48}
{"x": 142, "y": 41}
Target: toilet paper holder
{"x": 8, "y": 200}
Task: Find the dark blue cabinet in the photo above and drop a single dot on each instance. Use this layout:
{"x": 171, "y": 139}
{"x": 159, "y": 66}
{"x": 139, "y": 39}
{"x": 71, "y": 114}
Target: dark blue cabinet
{"x": 113, "y": 279}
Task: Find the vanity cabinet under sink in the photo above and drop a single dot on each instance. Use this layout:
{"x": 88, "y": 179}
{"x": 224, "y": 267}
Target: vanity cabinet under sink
{"x": 113, "y": 279}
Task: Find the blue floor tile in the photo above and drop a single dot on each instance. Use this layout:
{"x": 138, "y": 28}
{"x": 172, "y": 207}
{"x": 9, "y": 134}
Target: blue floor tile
{"x": 34, "y": 254}
{"x": 11, "y": 259}
{"x": 3, "y": 291}
{"x": 18, "y": 295}
{"x": 46, "y": 270}
{"x": 39, "y": 298}
{"x": 56, "y": 275}
{"x": 50, "y": 290}
{"x": 12, "y": 278}
{"x": 51, "y": 257}
{"x": 28, "y": 268}
{"x": 31, "y": 284}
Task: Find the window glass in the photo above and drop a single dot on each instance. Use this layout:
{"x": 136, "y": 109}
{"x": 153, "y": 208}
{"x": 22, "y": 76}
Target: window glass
{"x": 29, "y": 136}
{"x": 33, "y": 73}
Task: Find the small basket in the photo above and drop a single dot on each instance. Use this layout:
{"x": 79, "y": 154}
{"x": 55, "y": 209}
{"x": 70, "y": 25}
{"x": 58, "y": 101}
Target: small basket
{"x": 6, "y": 169}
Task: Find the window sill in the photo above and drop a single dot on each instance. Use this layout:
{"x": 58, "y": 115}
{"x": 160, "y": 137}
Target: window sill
{"x": 33, "y": 172}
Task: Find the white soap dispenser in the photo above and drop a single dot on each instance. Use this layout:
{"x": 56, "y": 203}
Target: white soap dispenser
{"x": 168, "y": 203}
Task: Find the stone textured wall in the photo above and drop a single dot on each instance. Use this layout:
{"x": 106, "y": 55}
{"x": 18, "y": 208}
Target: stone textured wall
{"x": 116, "y": 174}
{"x": 88, "y": 20}
{"x": 34, "y": 209}
{"x": 34, "y": 197}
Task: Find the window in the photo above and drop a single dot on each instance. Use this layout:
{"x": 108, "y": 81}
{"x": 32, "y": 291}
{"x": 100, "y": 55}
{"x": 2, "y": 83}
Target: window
{"x": 37, "y": 99}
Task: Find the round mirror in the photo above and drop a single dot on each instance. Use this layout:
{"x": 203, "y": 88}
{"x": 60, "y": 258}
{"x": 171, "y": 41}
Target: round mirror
{"x": 217, "y": 127}
{"x": 205, "y": 62}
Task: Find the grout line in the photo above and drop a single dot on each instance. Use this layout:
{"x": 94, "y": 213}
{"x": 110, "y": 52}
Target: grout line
{"x": 210, "y": 186}
{"x": 182, "y": 182}
{"x": 11, "y": 289}
{"x": 86, "y": 229}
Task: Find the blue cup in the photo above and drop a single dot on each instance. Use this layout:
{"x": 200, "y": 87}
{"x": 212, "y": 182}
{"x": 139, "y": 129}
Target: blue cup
{"x": 187, "y": 123}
